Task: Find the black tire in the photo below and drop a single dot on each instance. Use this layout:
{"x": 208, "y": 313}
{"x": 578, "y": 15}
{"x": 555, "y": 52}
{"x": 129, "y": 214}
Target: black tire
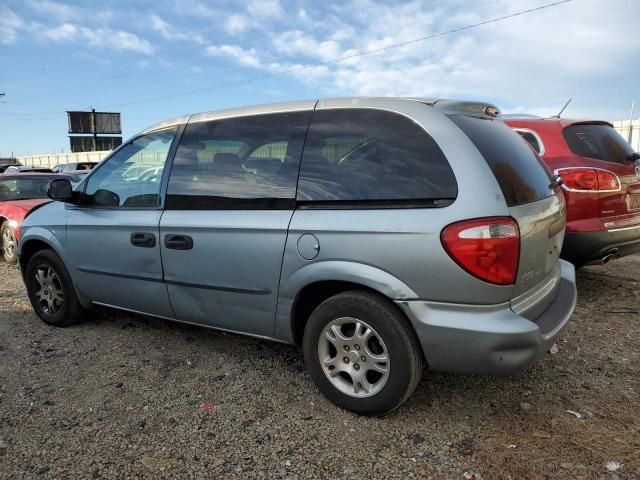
{"x": 9, "y": 255}
{"x": 404, "y": 352}
{"x": 64, "y": 312}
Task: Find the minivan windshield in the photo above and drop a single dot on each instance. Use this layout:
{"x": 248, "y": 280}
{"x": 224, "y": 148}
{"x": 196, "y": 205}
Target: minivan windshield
{"x": 520, "y": 173}
{"x": 599, "y": 141}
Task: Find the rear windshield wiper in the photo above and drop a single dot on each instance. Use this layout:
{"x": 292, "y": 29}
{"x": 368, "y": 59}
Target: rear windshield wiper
{"x": 556, "y": 182}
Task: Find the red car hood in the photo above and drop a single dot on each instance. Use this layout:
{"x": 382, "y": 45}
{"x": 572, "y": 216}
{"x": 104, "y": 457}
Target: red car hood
{"x": 25, "y": 205}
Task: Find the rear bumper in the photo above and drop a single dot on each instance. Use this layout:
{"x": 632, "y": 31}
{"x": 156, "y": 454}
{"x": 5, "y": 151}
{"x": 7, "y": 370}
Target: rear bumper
{"x": 590, "y": 247}
{"x": 490, "y": 338}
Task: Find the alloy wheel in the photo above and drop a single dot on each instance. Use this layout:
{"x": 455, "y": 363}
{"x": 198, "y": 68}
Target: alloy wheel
{"x": 48, "y": 292}
{"x": 9, "y": 243}
{"x": 354, "y": 357}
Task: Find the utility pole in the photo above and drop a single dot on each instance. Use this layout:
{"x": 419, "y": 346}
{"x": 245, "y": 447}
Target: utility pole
{"x": 95, "y": 129}
{"x": 630, "y": 139}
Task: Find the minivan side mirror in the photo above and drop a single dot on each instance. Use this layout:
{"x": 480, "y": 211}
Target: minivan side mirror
{"x": 61, "y": 190}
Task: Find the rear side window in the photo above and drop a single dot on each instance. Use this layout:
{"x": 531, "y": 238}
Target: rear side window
{"x": 520, "y": 173}
{"x": 598, "y": 141}
{"x": 366, "y": 155}
{"x": 243, "y": 162}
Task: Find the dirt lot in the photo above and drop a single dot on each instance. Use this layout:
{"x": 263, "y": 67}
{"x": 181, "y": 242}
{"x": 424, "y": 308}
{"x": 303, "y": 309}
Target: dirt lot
{"x": 119, "y": 396}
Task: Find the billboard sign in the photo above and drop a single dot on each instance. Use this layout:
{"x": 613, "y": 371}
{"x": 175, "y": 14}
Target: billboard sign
{"x": 105, "y": 122}
{"x": 86, "y": 144}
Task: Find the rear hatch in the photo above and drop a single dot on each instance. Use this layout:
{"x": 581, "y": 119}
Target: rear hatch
{"x": 534, "y": 200}
{"x": 603, "y": 148}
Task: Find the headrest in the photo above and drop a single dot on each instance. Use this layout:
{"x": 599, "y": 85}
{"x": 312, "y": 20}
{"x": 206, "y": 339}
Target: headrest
{"x": 226, "y": 159}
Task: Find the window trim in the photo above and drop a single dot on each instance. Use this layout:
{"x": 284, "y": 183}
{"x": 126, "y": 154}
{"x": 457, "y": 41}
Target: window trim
{"x": 374, "y": 204}
{"x": 543, "y": 150}
{"x": 163, "y": 181}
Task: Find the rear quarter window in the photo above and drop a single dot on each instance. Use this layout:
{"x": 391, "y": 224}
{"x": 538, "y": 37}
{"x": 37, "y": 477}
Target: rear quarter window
{"x": 532, "y": 139}
{"x": 521, "y": 174}
{"x": 601, "y": 142}
{"x": 372, "y": 157}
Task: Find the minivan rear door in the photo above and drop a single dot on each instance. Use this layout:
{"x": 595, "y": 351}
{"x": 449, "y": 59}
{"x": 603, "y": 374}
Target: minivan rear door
{"x": 529, "y": 190}
{"x": 230, "y": 198}
{"x": 618, "y": 200}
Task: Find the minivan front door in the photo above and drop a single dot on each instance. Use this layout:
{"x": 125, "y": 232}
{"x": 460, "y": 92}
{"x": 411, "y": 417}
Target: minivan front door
{"x": 113, "y": 235}
{"x": 230, "y": 198}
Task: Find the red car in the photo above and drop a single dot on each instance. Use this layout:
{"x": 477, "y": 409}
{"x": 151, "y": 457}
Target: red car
{"x": 19, "y": 194}
{"x": 601, "y": 183}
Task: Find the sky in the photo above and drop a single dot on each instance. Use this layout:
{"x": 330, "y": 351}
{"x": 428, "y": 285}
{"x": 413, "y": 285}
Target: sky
{"x": 156, "y": 59}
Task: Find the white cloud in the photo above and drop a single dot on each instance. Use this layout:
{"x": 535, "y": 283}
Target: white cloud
{"x": 95, "y": 37}
{"x": 168, "y": 31}
{"x": 265, "y": 8}
{"x": 65, "y": 12}
{"x": 61, "y": 33}
{"x": 10, "y": 23}
{"x": 248, "y": 58}
{"x": 535, "y": 61}
{"x": 60, "y": 11}
{"x": 237, "y": 24}
{"x": 7, "y": 35}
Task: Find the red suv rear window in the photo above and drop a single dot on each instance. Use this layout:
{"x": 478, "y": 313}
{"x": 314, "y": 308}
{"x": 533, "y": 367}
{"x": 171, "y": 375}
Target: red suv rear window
{"x": 598, "y": 141}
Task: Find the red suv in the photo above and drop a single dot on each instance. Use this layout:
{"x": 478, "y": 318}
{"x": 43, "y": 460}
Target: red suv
{"x": 601, "y": 182}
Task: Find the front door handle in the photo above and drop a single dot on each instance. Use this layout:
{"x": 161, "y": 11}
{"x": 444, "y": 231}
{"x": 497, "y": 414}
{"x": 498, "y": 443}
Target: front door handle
{"x": 143, "y": 239}
{"x": 178, "y": 242}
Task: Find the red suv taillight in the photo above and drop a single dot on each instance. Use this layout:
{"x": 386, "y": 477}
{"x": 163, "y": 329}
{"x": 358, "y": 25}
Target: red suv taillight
{"x": 487, "y": 248}
{"x": 588, "y": 180}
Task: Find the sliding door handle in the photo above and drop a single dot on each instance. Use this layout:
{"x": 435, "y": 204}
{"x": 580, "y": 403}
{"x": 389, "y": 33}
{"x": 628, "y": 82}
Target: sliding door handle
{"x": 178, "y": 242}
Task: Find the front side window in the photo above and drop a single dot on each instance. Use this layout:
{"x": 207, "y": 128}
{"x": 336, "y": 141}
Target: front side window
{"x": 131, "y": 177}
{"x": 372, "y": 156}
{"x": 598, "y": 141}
{"x": 243, "y": 162}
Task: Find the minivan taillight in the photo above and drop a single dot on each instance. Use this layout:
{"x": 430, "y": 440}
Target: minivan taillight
{"x": 584, "y": 179}
{"x": 487, "y": 248}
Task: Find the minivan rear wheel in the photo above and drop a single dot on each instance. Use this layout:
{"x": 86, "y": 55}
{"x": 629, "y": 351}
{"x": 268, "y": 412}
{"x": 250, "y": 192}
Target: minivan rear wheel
{"x": 362, "y": 353}
{"x": 51, "y": 290}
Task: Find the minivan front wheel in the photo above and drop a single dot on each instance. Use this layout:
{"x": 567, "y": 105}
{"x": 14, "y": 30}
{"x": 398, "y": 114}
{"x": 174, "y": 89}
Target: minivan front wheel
{"x": 362, "y": 353}
{"x": 51, "y": 290}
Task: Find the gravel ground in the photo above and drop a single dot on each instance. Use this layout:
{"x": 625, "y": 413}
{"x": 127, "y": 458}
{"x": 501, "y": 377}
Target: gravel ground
{"x": 121, "y": 396}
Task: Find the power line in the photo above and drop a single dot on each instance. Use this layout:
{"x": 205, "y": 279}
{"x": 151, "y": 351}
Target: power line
{"x": 327, "y": 62}
{"x": 45, "y": 84}
{"x": 238, "y": 67}
{"x": 340, "y": 59}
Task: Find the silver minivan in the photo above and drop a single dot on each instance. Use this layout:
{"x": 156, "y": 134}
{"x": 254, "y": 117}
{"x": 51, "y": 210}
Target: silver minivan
{"x": 381, "y": 234}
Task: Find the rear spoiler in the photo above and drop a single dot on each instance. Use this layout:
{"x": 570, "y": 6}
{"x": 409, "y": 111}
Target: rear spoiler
{"x": 463, "y": 107}
{"x": 591, "y": 122}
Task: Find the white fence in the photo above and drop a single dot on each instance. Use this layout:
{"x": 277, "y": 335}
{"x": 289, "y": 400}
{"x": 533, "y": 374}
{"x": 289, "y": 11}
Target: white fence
{"x": 630, "y": 131}
{"x": 54, "y": 159}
